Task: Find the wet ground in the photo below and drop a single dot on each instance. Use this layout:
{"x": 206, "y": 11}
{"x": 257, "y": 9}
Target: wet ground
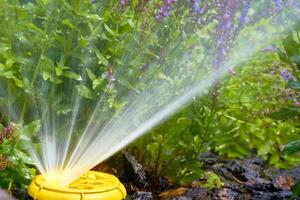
{"x": 247, "y": 179}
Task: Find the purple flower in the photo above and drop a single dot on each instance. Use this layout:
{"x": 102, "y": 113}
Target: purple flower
{"x": 286, "y": 75}
{"x": 105, "y": 75}
{"x": 164, "y": 10}
{"x": 278, "y": 5}
{"x": 197, "y": 8}
{"x": 225, "y": 31}
{"x": 123, "y": 2}
{"x": 245, "y": 11}
{"x": 196, "y": 5}
{"x": 201, "y": 11}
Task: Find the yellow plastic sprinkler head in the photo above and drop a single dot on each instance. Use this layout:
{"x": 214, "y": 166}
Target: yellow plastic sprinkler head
{"x": 90, "y": 186}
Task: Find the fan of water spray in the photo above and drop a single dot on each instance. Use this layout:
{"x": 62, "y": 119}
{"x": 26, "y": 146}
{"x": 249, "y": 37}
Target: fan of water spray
{"x": 80, "y": 126}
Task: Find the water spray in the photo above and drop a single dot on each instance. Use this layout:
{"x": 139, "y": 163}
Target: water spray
{"x": 167, "y": 85}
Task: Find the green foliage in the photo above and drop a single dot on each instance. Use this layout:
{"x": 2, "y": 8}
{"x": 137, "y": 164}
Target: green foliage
{"x": 291, "y": 56}
{"x": 296, "y": 190}
{"x": 238, "y": 126}
{"x": 78, "y": 47}
{"x": 16, "y": 169}
{"x": 81, "y": 47}
{"x": 291, "y": 147}
{"x": 244, "y": 114}
{"x": 210, "y": 181}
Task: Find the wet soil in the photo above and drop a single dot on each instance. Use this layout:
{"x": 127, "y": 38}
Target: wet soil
{"x": 247, "y": 179}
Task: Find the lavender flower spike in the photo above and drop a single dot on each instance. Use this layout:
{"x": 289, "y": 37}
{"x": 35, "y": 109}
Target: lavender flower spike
{"x": 286, "y": 75}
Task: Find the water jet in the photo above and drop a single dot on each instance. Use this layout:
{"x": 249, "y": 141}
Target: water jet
{"x": 90, "y": 186}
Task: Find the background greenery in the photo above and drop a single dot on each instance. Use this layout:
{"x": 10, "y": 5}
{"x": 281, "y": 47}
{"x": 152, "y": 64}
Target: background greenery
{"x": 105, "y": 47}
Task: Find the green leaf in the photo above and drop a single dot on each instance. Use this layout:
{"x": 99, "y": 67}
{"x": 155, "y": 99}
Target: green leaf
{"x": 97, "y": 82}
{"x": 85, "y": 92}
{"x": 9, "y": 62}
{"x": 58, "y": 71}
{"x": 72, "y": 75}
{"x": 265, "y": 148}
{"x": 294, "y": 85}
{"x": 296, "y": 189}
{"x": 296, "y": 60}
{"x": 159, "y": 138}
{"x": 49, "y": 76}
{"x": 94, "y": 17}
{"x": 31, "y": 129}
{"x": 109, "y": 30}
{"x": 8, "y": 74}
{"x": 274, "y": 159}
{"x": 83, "y": 42}
{"x": 46, "y": 63}
{"x": 291, "y": 46}
{"x": 23, "y": 156}
{"x": 283, "y": 57}
{"x": 285, "y": 113}
{"x": 18, "y": 82}
{"x": 91, "y": 75}
{"x": 69, "y": 24}
{"x": 101, "y": 58}
{"x": 291, "y": 147}
{"x": 153, "y": 148}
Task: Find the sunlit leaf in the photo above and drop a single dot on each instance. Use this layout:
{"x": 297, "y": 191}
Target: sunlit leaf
{"x": 85, "y": 92}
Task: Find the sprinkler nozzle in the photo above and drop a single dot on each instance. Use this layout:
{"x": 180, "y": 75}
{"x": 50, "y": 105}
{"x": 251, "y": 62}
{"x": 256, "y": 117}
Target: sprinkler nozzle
{"x": 90, "y": 186}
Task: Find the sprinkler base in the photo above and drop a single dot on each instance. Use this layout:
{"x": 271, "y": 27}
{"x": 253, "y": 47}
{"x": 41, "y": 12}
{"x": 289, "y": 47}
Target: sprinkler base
{"x": 90, "y": 186}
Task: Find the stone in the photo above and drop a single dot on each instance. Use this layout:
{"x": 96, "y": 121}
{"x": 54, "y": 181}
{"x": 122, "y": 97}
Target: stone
{"x": 142, "y": 196}
{"x": 134, "y": 171}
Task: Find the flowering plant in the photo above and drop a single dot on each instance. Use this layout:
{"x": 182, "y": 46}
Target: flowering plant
{"x": 16, "y": 170}
{"x": 291, "y": 57}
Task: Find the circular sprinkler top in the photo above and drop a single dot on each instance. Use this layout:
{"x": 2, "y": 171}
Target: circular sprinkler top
{"x": 90, "y": 186}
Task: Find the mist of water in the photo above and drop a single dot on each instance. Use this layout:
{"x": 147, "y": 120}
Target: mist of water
{"x": 67, "y": 145}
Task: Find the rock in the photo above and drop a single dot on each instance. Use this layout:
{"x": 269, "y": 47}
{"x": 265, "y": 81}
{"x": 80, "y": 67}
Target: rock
{"x": 225, "y": 194}
{"x": 281, "y": 195}
{"x": 258, "y": 184}
{"x": 163, "y": 182}
{"x": 269, "y": 173}
{"x": 182, "y": 198}
{"x": 223, "y": 172}
{"x": 209, "y": 159}
{"x": 142, "y": 196}
{"x": 134, "y": 171}
{"x": 236, "y": 187}
{"x": 242, "y": 171}
{"x": 258, "y": 161}
{"x": 283, "y": 182}
{"x": 198, "y": 193}
{"x": 295, "y": 173}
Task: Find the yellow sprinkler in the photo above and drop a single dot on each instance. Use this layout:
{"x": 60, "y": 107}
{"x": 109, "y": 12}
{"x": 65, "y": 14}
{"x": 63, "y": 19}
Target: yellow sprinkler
{"x": 90, "y": 186}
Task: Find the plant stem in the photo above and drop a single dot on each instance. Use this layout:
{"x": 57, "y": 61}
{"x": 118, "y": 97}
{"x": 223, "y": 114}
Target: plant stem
{"x": 214, "y": 101}
{"x": 159, "y": 155}
{"x": 25, "y": 105}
